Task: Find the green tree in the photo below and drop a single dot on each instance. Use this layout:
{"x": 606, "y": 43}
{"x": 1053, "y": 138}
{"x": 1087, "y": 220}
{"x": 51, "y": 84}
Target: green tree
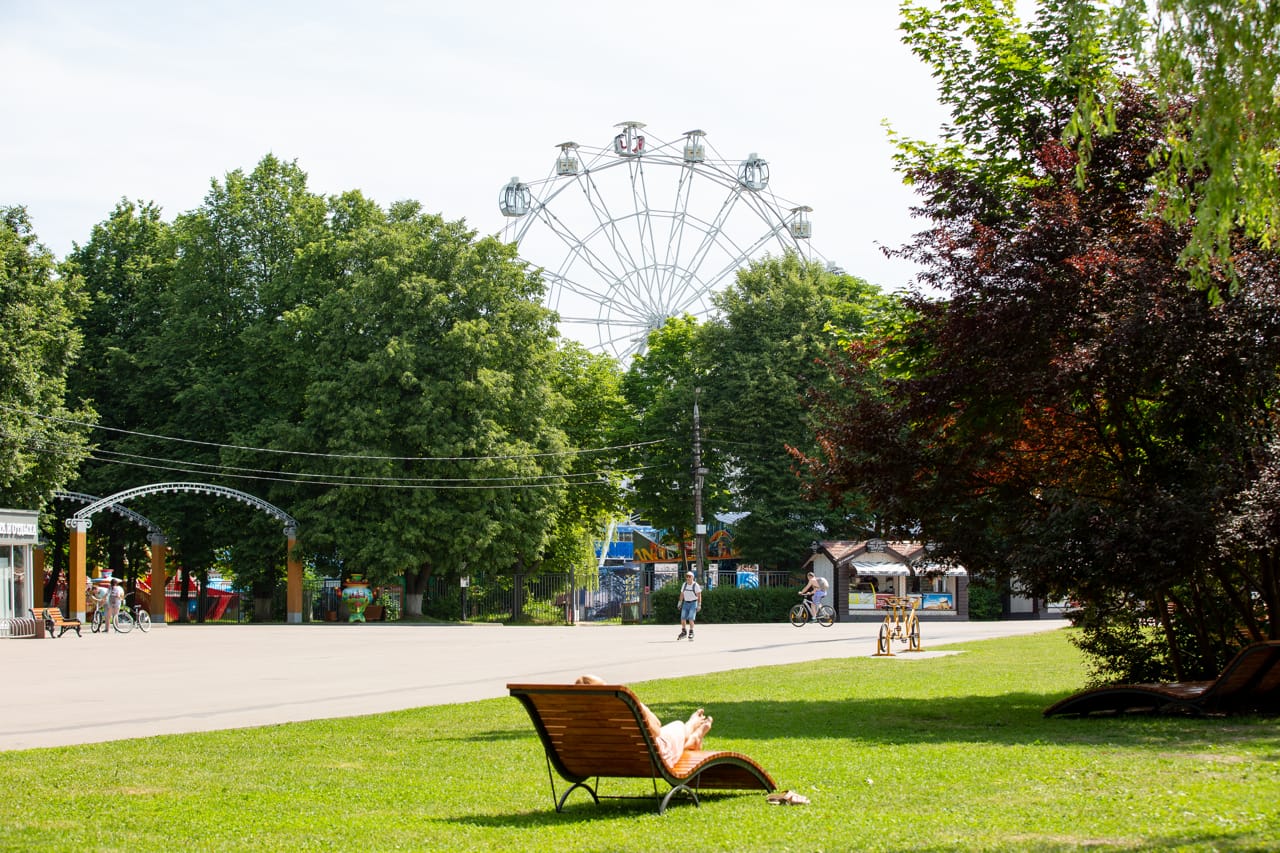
{"x": 660, "y": 387}
{"x": 427, "y": 385}
{"x": 591, "y": 404}
{"x": 766, "y": 350}
{"x": 1218, "y": 64}
{"x": 1007, "y": 84}
{"x": 255, "y": 249}
{"x": 127, "y": 268}
{"x": 42, "y": 440}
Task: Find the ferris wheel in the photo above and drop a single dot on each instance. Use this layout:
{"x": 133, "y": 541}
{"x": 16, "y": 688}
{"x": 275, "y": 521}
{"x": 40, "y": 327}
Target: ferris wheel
{"x": 642, "y": 230}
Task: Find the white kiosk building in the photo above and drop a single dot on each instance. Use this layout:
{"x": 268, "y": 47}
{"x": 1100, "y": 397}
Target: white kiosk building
{"x": 865, "y": 575}
{"x": 19, "y": 532}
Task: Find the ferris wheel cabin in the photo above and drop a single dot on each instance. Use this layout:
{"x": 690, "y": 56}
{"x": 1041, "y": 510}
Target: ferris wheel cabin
{"x": 695, "y": 151}
{"x": 753, "y": 172}
{"x": 514, "y": 198}
{"x": 629, "y": 143}
{"x": 567, "y": 162}
{"x": 800, "y": 226}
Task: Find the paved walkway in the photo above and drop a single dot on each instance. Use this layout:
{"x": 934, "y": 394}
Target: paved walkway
{"x": 185, "y": 678}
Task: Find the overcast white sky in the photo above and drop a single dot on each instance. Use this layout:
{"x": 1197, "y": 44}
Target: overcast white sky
{"x": 444, "y": 102}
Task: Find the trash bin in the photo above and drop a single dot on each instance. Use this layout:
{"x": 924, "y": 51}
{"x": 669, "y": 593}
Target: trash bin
{"x": 630, "y": 612}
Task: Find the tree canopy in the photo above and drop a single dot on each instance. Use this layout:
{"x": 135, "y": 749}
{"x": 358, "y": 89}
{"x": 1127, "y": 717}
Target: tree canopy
{"x": 1075, "y": 416}
{"x": 43, "y": 441}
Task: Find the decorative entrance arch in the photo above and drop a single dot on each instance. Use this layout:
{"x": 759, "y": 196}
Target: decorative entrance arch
{"x": 82, "y": 521}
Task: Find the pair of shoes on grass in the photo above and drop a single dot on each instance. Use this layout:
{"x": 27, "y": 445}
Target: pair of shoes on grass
{"x": 787, "y": 798}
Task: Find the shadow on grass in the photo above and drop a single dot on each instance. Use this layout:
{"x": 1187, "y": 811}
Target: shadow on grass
{"x": 611, "y": 807}
{"x": 1007, "y": 719}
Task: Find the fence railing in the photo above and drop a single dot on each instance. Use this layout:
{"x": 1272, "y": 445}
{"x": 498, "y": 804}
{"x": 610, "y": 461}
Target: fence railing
{"x": 542, "y": 599}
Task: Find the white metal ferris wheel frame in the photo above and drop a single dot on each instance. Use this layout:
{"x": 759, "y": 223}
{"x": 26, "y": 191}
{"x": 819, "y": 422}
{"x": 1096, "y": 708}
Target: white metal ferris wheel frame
{"x": 617, "y": 260}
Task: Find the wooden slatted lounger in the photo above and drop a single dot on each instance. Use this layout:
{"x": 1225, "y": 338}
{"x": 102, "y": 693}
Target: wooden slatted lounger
{"x": 1250, "y": 683}
{"x": 597, "y": 730}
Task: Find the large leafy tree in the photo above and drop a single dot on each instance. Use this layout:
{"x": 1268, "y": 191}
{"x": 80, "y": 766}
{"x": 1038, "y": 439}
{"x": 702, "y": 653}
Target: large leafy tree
{"x": 766, "y": 350}
{"x": 127, "y": 268}
{"x": 424, "y": 378}
{"x": 661, "y": 387}
{"x": 1076, "y": 416}
{"x": 251, "y": 252}
{"x": 588, "y": 386}
{"x": 42, "y": 437}
{"x": 748, "y": 368}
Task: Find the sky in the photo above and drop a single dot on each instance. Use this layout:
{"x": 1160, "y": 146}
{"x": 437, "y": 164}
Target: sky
{"x": 444, "y": 102}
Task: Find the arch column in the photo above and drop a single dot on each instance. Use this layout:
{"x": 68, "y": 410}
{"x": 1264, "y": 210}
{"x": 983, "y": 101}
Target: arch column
{"x": 293, "y": 592}
{"x": 159, "y": 554}
{"x": 76, "y": 572}
{"x": 37, "y": 574}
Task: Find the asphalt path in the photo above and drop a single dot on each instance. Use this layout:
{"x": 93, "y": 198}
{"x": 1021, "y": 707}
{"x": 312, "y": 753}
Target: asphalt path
{"x": 187, "y": 678}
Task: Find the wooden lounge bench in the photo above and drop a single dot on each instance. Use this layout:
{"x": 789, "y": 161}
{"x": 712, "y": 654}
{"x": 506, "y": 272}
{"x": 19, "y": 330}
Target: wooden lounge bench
{"x": 1250, "y": 683}
{"x": 53, "y": 618}
{"x": 592, "y": 731}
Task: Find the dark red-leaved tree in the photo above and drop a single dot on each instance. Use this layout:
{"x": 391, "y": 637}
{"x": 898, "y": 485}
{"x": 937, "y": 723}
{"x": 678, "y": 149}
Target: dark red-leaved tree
{"x": 1077, "y": 417}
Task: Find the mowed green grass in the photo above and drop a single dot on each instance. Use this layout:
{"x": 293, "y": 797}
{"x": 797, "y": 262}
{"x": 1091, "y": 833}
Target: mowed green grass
{"x": 937, "y": 753}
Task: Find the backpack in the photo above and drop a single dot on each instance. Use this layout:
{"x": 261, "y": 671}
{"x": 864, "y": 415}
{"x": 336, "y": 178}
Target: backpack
{"x": 823, "y": 585}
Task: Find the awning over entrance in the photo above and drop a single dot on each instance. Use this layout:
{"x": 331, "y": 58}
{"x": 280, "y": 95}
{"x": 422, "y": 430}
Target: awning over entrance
{"x": 867, "y": 567}
{"x": 883, "y": 569}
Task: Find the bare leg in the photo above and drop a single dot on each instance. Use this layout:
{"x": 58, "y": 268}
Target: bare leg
{"x": 696, "y": 729}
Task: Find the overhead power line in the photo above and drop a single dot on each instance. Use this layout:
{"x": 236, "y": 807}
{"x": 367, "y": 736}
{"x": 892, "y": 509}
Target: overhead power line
{"x": 316, "y": 455}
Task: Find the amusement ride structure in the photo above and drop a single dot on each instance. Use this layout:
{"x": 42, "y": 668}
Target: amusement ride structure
{"x": 642, "y": 230}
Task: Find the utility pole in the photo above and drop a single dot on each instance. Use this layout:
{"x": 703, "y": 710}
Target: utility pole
{"x": 699, "y": 480}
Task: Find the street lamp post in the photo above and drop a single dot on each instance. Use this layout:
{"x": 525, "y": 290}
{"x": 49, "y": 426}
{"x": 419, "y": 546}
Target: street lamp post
{"x": 699, "y": 481}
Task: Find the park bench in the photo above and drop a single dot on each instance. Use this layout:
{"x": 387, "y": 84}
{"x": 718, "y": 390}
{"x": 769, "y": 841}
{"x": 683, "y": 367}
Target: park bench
{"x": 1250, "y": 683}
{"x": 53, "y": 618}
{"x": 594, "y": 731}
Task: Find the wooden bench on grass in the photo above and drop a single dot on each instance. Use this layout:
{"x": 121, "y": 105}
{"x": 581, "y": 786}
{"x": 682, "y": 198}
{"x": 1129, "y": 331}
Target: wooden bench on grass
{"x": 1250, "y": 684}
{"x": 592, "y": 731}
{"x": 53, "y": 618}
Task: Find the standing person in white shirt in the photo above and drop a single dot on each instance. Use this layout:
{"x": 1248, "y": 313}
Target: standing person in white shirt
{"x": 690, "y": 604}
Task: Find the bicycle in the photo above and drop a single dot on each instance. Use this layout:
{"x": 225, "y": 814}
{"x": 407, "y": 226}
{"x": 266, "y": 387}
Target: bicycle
{"x": 141, "y": 617}
{"x": 804, "y": 612}
{"x": 123, "y": 622}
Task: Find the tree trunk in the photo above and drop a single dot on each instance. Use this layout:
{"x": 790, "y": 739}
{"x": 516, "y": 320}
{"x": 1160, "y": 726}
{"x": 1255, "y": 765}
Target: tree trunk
{"x": 415, "y": 584}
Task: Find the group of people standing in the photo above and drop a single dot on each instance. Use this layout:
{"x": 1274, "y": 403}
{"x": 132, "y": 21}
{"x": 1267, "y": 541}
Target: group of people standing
{"x": 110, "y": 599}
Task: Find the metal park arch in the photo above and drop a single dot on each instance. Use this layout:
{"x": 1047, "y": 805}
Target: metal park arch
{"x": 81, "y": 521}
{"x": 124, "y": 512}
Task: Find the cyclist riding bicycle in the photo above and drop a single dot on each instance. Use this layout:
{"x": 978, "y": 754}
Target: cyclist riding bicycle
{"x": 813, "y": 593}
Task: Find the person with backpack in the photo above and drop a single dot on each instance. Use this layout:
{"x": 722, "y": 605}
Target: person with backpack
{"x": 690, "y": 600}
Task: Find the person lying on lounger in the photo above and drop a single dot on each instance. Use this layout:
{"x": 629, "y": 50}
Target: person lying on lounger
{"x": 675, "y": 737}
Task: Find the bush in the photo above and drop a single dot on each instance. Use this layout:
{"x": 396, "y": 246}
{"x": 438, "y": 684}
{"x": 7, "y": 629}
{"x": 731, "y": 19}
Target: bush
{"x": 984, "y": 601}
{"x": 726, "y": 604}
{"x": 1121, "y": 648}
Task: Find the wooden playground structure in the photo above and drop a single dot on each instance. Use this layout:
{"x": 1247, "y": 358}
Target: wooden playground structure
{"x": 900, "y": 623}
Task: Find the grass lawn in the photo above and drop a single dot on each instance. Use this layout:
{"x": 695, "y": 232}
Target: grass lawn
{"x": 941, "y": 753}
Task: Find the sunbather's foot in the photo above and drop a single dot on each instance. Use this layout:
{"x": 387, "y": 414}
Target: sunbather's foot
{"x": 698, "y": 726}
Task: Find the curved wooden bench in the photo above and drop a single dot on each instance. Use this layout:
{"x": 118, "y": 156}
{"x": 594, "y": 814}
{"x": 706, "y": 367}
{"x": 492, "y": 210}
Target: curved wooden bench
{"x": 593, "y": 731}
{"x": 1249, "y": 683}
{"x": 53, "y": 618}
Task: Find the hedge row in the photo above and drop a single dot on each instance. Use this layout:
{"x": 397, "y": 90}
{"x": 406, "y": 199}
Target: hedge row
{"x": 726, "y": 604}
